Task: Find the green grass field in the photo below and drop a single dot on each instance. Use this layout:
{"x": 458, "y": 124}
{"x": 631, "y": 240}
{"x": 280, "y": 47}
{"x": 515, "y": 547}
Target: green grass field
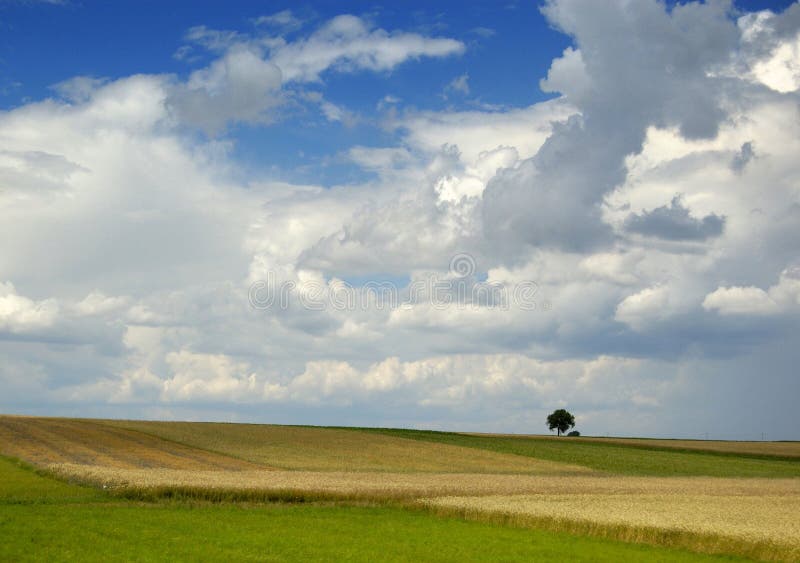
{"x": 45, "y": 520}
{"x": 611, "y": 457}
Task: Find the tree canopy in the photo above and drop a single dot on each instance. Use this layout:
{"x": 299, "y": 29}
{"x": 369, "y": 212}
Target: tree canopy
{"x": 561, "y": 420}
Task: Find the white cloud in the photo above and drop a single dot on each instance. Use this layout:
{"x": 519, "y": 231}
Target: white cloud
{"x": 772, "y": 49}
{"x": 240, "y": 86}
{"x": 245, "y": 83}
{"x": 568, "y": 76}
{"x": 347, "y": 44}
{"x": 332, "y": 112}
{"x": 740, "y": 300}
{"x": 459, "y": 85}
{"x": 97, "y": 303}
{"x": 645, "y": 307}
{"x": 284, "y": 20}
{"x": 207, "y": 377}
{"x": 21, "y": 314}
{"x": 783, "y": 297}
{"x": 474, "y": 132}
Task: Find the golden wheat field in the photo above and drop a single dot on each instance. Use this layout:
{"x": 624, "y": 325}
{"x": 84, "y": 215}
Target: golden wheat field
{"x": 411, "y": 485}
{"x": 767, "y": 521}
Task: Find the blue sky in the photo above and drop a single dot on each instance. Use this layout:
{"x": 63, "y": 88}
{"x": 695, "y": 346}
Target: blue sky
{"x": 622, "y": 175}
{"x": 510, "y": 49}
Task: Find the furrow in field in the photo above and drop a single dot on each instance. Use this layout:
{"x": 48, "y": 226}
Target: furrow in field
{"x": 44, "y": 441}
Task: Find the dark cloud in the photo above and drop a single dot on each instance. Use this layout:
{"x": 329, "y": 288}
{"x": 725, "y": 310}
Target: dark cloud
{"x": 673, "y": 222}
{"x": 639, "y": 66}
{"x": 745, "y": 155}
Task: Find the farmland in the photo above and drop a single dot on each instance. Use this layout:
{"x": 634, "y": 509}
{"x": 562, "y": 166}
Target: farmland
{"x": 279, "y": 492}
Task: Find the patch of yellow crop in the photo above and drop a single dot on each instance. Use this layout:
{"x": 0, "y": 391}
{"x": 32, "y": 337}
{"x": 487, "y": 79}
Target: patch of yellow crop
{"x": 367, "y": 484}
{"x": 753, "y": 519}
{"x": 328, "y": 449}
{"x": 412, "y": 485}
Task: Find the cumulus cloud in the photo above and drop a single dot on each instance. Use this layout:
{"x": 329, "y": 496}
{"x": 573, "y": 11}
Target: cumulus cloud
{"x": 641, "y": 309}
{"x": 621, "y": 83}
{"x": 568, "y": 76}
{"x": 783, "y": 297}
{"x": 740, "y": 300}
{"x": 21, "y": 314}
{"x": 240, "y": 86}
{"x": 132, "y": 243}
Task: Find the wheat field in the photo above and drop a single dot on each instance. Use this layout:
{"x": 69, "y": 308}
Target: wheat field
{"x": 765, "y": 525}
{"x": 411, "y": 485}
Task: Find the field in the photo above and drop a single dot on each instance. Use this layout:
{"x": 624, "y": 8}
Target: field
{"x": 615, "y": 456}
{"x": 214, "y": 491}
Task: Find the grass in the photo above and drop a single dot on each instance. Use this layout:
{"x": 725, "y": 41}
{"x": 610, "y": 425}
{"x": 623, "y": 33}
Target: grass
{"x": 72, "y": 523}
{"x": 758, "y": 450}
{"x": 288, "y": 533}
{"x": 326, "y": 449}
{"x": 610, "y": 457}
{"x": 20, "y": 483}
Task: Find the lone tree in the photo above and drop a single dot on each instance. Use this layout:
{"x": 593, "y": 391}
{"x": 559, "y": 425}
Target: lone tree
{"x": 560, "y": 420}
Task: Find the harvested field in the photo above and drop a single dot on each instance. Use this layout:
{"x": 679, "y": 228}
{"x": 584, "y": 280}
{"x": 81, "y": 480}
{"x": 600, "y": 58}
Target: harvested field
{"x": 763, "y": 525}
{"x": 326, "y": 449}
{"x": 44, "y": 441}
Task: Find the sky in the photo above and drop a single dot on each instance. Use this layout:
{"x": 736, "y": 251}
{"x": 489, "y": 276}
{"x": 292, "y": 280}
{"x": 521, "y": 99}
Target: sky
{"x": 426, "y": 217}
